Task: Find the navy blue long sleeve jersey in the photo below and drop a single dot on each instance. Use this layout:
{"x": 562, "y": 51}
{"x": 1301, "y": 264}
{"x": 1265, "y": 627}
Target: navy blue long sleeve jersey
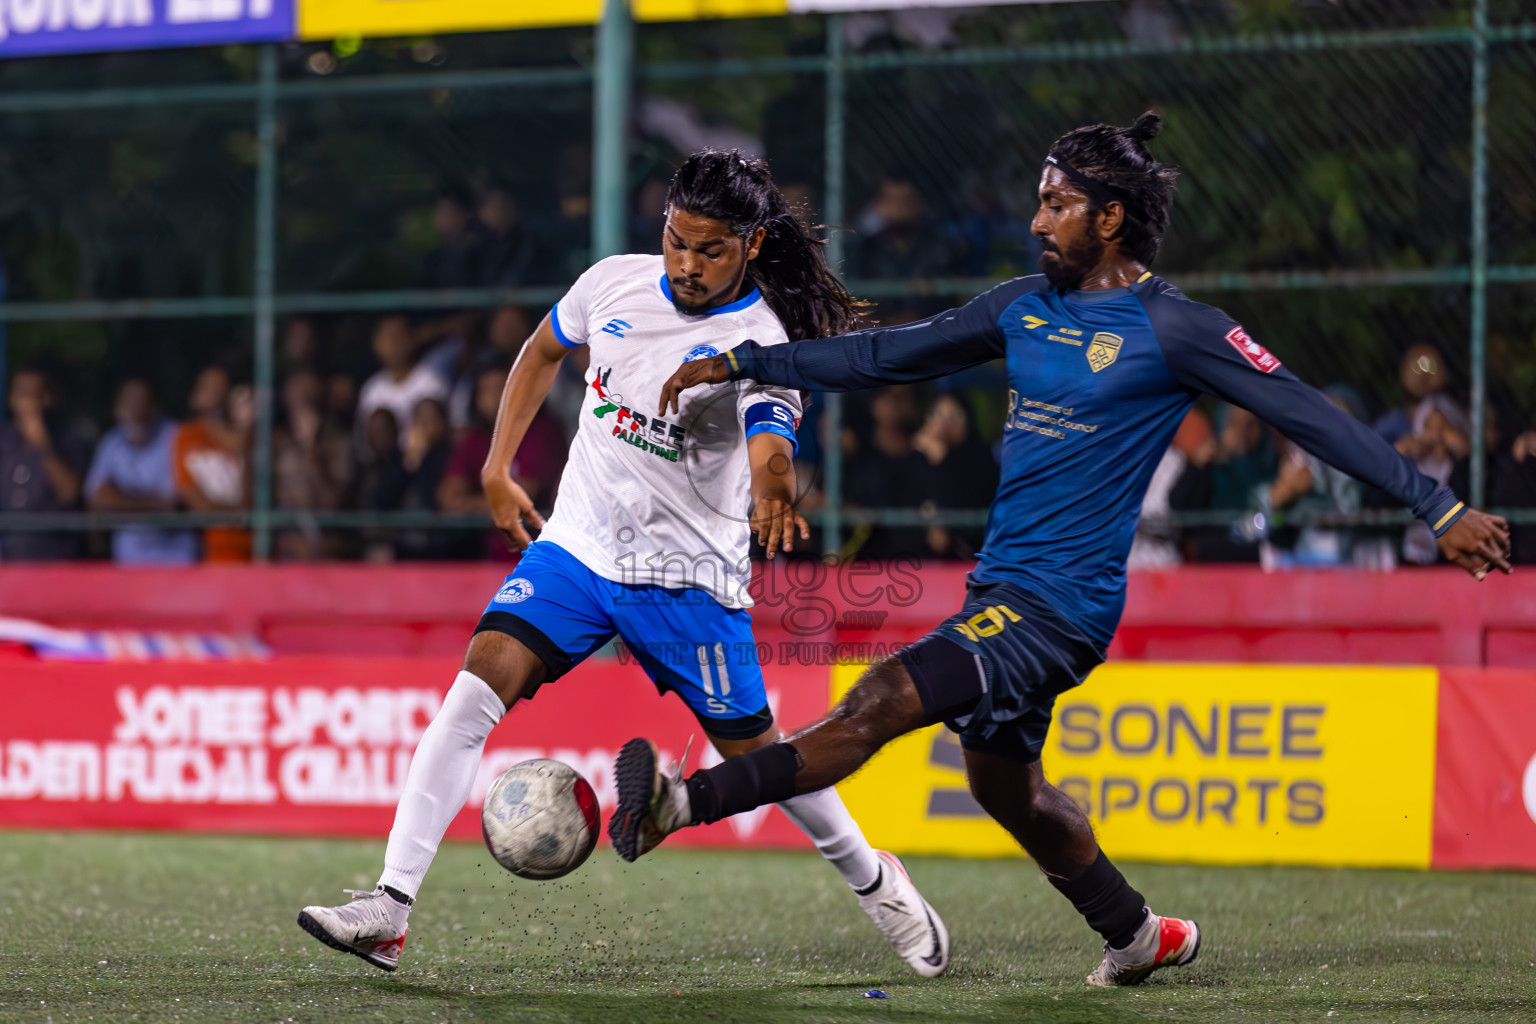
{"x": 1098, "y": 382}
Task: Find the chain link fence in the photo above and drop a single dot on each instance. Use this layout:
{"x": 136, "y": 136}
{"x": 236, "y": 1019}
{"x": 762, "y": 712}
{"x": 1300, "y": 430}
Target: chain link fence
{"x": 1359, "y": 189}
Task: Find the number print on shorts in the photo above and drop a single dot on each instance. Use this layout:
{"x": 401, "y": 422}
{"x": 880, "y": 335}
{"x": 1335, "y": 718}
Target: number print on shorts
{"x": 989, "y": 622}
{"x": 716, "y": 657}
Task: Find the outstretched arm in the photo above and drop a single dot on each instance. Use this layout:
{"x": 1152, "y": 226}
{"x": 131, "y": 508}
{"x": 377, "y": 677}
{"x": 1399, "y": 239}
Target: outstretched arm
{"x": 939, "y": 345}
{"x": 1226, "y": 362}
{"x": 1472, "y": 539}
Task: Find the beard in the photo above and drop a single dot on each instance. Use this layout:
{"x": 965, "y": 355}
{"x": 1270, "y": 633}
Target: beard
{"x": 686, "y": 306}
{"x": 701, "y": 302}
{"x": 1065, "y": 268}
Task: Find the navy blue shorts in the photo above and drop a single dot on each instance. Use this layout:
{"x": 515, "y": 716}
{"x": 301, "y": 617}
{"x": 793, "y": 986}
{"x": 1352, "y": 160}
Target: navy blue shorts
{"x": 992, "y": 672}
{"x": 686, "y": 641}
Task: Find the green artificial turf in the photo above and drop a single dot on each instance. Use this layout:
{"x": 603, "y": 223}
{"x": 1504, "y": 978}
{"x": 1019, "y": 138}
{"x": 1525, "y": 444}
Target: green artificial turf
{"x": 112, "y": 927}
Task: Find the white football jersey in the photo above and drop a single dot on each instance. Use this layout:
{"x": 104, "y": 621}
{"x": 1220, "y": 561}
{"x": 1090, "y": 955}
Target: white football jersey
{"x": 661, "y": 500}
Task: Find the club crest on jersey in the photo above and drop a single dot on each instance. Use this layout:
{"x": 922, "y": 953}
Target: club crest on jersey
{"x": 1257, "y": 355}
{"x": 701, "y": 352}
{"x": 1103, "y": 350}
{"x": 513, "y": 591}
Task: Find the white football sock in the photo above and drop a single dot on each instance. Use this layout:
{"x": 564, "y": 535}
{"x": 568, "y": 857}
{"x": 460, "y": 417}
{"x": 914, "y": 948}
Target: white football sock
{"x": 822, "y": 816}
{"x": 438, "y": 783}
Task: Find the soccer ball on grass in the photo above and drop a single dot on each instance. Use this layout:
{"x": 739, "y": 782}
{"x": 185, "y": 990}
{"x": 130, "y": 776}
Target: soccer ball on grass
{"x": 540, "y": 819}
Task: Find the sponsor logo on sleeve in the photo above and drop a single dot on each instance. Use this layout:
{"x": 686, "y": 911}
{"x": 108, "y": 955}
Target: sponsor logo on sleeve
{"x": 1257, "y": 355}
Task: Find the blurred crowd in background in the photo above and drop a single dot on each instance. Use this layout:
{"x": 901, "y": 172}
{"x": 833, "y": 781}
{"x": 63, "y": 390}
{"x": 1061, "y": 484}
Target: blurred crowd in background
{"x": 488, "y": 185}
{"x": 406, "y": 425}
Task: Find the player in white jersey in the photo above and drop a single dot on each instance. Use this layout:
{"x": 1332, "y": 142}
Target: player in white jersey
{"x": 645, "y": 500}
{"x": 650, "y": 533}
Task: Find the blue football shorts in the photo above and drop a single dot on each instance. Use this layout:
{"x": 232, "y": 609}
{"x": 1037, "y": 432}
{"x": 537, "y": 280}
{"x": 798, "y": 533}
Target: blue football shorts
{"x": 992, "y": 671}
{"x": 686, "y": 641}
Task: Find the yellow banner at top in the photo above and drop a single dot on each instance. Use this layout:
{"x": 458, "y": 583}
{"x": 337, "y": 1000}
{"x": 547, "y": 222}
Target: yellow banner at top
{"x": 330, "y": 19}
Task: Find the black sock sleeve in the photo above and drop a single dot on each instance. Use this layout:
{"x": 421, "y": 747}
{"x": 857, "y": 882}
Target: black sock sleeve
{"x": 762, "y": 776}
{"x": 1103, "y": 896}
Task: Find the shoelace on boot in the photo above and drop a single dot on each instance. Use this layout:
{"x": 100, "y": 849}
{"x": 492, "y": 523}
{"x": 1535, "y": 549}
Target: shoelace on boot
{"x": 370, "y": 907}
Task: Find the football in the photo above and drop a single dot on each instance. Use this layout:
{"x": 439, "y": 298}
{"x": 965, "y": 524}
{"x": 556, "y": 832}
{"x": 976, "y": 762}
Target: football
{"x": 540, "y": 819}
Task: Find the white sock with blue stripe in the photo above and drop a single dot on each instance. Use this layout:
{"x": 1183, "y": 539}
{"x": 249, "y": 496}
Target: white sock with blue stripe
{"x": 822, "y": 816}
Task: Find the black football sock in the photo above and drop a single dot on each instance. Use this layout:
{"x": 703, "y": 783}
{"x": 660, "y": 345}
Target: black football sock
{"x": 397, "y": 895}
{"x": 1103, "y": 896}
{"x": 762, "y": 776}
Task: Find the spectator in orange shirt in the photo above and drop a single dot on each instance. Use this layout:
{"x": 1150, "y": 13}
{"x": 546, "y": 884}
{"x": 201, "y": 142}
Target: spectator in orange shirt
{"x": 211, "y": 460}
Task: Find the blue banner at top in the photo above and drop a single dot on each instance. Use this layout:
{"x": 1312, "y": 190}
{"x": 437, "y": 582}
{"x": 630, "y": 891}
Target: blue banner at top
{"x": 33, "y": 27}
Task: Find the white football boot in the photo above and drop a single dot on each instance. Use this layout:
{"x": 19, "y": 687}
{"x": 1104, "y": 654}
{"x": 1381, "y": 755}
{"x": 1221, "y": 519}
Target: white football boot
{"x": 896, "y": 907}
{"x": 652, "y": 804}
{"x": 372, "y": 926}
{"x": 1159, "y": 942}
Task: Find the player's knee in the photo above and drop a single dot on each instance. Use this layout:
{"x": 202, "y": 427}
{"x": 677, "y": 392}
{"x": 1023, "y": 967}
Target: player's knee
{"x": 881, "y": 706}
{"x": 993, "y": 792}
{"x": 729, "y": 747}
{"x": 508, "y": 668}
{"x": 1006, "y": 789}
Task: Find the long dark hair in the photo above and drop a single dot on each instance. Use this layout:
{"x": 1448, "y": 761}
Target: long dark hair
{"x": 1117, "y": 159}
{"x": 791, "y": 270}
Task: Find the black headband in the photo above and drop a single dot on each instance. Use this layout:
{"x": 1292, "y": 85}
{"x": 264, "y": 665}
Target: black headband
{"x": 1099, "y": 191}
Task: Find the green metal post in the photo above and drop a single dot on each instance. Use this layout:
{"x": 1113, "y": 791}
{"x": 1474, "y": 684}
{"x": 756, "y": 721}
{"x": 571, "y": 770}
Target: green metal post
{"x": 1479, "y": 243}
{"x": 832, "y": 208}
{"x": 264, "y": 288}
{"x": 610, "y": 127}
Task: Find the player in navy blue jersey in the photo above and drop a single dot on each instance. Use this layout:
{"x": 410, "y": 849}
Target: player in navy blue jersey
{"x": 1104, "y": 359}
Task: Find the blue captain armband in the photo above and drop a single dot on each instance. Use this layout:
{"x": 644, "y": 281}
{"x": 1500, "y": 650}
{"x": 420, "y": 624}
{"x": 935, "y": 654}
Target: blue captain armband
{"x": 772, "y": 418}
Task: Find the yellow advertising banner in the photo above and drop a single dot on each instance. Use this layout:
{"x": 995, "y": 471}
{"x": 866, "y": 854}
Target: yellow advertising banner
{"x": 1220, "y": 764}
{"x": 330, "y": 19}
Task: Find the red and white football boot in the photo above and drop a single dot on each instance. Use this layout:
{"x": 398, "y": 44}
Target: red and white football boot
{"x": 1159, "y": 942}
{"x": 372, "y": 926}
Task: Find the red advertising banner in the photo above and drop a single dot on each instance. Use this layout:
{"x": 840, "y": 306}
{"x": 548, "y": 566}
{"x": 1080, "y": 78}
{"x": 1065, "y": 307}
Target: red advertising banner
{"x": 321, "y": 746}
{"x": 317, "y": 746}
{"x": 1485, "y": 775}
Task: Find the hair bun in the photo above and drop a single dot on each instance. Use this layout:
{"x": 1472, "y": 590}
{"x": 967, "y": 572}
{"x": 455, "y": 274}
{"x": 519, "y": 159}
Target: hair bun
{"x": 1146, "y": 127}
